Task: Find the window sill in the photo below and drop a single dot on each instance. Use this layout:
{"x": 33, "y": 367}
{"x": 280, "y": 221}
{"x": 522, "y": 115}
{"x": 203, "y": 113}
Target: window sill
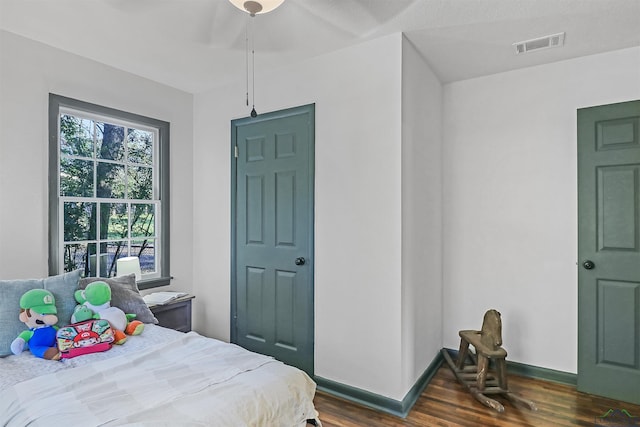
{"x": 154, "y": 283}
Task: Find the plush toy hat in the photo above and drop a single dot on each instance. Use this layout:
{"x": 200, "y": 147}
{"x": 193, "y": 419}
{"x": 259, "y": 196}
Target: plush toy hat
{"x": 39, "y": 300}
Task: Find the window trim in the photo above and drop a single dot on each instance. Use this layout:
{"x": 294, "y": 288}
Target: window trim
{"x": 56, "y": 102}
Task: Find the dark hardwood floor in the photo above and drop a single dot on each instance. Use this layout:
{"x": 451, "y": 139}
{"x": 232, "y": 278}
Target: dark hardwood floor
{"x": 447, "y": 403}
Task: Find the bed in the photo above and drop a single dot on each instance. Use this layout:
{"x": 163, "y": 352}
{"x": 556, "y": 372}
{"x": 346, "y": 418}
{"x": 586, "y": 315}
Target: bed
{"x": 159, "y": 378}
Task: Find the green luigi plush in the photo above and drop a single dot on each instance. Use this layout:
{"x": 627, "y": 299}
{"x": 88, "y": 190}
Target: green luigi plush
{"x": 38, "y": 311}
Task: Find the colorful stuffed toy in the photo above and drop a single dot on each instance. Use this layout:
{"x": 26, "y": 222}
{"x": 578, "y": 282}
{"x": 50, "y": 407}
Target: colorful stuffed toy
{"x": 86, "y": 337}
{"x": 97, "y": 297}
{"x": 38, "y": 311}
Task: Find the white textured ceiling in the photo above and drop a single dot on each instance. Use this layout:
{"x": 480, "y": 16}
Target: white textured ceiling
{"x": 194, "y": 45}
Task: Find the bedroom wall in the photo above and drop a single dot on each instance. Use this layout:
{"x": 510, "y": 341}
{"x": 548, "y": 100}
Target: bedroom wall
{"x": 510, "y": 200}
{"x": 29, "y": 71}
{"x": 358, "y": 218}
{"x": 421, "y": 214}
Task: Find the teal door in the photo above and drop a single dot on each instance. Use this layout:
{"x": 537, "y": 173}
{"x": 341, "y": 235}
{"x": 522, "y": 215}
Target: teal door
{"x": 609, "y": 251}
{"x": 272, "y": 243}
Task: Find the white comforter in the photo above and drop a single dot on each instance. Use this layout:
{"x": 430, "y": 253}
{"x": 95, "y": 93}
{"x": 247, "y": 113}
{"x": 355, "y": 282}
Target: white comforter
{"x": 187, "y": 381}
{"x": 14, "y": 369}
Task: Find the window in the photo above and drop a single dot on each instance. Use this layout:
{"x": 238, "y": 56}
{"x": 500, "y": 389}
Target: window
{"x": 108, "y": 191}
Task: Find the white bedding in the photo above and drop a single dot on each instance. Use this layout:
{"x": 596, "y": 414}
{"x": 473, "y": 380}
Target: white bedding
{"x": 24, "y": 366}
{"x": 159, "y": 378}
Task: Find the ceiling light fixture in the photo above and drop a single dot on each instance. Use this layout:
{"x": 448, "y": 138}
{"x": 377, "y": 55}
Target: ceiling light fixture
{"x": 253, "y": 8}
{"x": 256, "y": 7}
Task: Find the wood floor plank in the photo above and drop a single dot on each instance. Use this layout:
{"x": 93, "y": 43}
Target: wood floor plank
{"x": 446, "y": 403}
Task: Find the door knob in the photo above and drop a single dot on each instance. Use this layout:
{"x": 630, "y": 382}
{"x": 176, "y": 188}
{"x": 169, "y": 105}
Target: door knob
{"x": 588, "y": 265}
{"x": 300, "y": 261}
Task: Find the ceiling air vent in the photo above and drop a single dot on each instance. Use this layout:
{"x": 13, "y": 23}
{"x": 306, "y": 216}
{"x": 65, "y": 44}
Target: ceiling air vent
{"x": 546, "y": 42}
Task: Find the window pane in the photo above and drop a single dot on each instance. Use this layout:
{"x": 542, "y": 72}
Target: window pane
{"x": 93, "y": 268}
{"x": 142, "y": 220}
{"x": 140, "y": 144}
{"x": 110, "y": 139}
{"x": 110, "y": 252}
{"x": 140, "y": 183}
{"x": 79, "y": 221}
{"x": 145, "y": 250}
{"x": 111, "y": 182}
{"x": 76, "y": 136}
{"x": 113, "y": 221}
{"x": 76, "y": 178}
{"x": 76, "y": 256}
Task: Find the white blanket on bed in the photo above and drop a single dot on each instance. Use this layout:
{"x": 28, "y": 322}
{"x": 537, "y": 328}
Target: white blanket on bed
{"x": 14, "y": 369}
{"x": 192, "y": 380}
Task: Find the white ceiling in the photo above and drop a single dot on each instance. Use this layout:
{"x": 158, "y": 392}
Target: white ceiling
{"x": 194, "y": 45}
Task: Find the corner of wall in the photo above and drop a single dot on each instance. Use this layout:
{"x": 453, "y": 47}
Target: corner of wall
{"x": 421, "y": 144}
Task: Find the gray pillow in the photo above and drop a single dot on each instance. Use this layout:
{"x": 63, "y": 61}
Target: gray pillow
{"x": 125, "y": 295}
{"x": 10, "y": 324}
{"x": 63, "y": 287}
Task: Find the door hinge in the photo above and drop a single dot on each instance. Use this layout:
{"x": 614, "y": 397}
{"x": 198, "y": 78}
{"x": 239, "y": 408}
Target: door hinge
{"x": 235, "y": 151}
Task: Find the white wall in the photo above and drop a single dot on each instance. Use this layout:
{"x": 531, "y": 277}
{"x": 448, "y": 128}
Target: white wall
{"x": 357, "y": 207}
{"x": 510, "y": 239}
{"x": 29, "y": 71}
{"x": 421, "y": 214}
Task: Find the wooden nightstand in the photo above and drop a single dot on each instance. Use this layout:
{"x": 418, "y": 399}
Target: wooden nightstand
{"x": 175, "y": 314}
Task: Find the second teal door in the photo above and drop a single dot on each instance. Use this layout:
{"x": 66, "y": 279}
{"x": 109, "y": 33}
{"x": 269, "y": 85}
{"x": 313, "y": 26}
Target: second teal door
{"x": 609, "y": 251}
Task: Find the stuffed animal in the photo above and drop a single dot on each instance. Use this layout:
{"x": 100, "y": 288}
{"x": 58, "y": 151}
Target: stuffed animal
{"x": 81, "y": 313}
{"x": 97, "y": 298}
{"x": 86, "y": 337}
{"x": 38, "y": 311}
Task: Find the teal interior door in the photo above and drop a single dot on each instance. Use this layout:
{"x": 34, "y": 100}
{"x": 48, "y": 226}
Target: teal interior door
{"x": 272, "y": 253}
{"x": 609, "y": 251}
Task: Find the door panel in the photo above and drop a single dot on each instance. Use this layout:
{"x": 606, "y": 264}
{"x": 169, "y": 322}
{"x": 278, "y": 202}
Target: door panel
{"x": 608, "y": 227}
{"x": 272, "y": 296}
{"x": 618, "y": 330}
{"x": 285, "y": 208}
{"x": 617, "y": 222}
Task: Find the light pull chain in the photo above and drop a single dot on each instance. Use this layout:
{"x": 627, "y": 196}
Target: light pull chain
{"x": 250, "y": 34}
{"x": 253, "y": 69}
{"x": 246, "y": 54}
{"x": 253, "y": 77}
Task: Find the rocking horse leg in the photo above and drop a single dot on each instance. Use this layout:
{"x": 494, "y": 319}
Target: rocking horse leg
{"x": 501, "y": 371}
{"x": 462, "y": 353}
{"x": 514, "y": 398}
{"x": 483, "y": 366}
{"x": 491, "y": 403}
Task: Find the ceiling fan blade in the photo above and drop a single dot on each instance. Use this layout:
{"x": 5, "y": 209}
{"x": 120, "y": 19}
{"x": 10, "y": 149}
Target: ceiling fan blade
{"x": 225, "y": 27}
{"x": 357, "y": 17}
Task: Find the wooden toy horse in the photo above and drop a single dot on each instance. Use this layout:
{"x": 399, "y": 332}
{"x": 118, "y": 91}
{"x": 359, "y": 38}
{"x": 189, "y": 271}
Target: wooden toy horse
{"x": 476, "y": 376}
